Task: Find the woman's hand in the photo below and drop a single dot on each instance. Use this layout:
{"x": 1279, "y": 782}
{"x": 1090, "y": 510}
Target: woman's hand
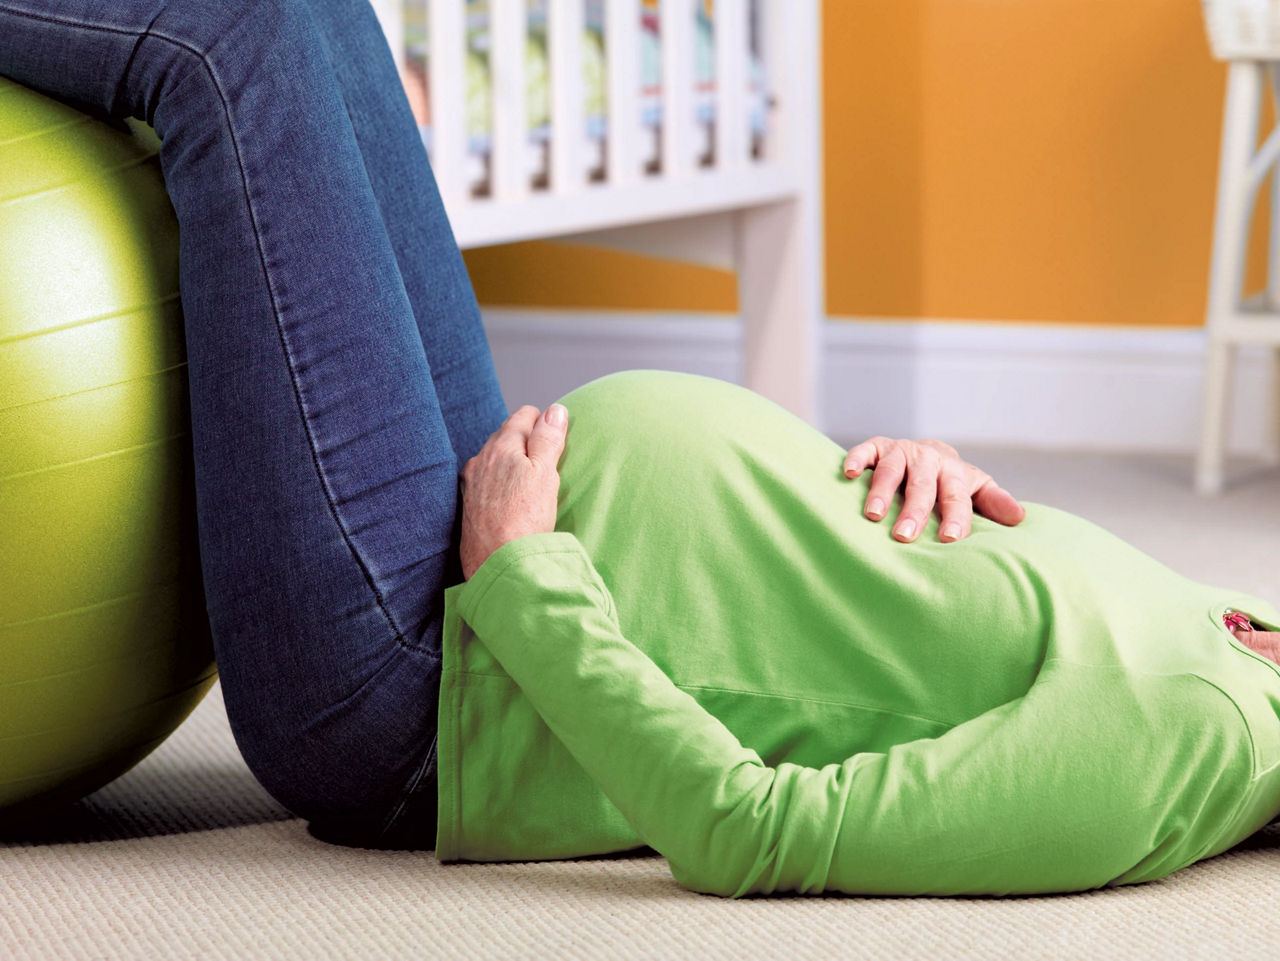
{"x": 934, "y": 472}
{"x": 509, "y": 489}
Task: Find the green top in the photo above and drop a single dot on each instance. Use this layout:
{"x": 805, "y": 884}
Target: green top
{"x": 716, "y": 655}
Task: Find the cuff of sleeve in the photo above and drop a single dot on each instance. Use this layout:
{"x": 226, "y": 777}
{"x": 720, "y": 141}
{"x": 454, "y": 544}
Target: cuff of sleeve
{"x": 471, "y": 599}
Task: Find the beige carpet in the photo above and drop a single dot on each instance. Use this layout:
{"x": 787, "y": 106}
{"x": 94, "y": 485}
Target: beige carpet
{"x": 185, "y": 857}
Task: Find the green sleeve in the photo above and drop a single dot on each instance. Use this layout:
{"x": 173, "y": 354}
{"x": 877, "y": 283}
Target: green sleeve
{"x": 1082, "y": 782}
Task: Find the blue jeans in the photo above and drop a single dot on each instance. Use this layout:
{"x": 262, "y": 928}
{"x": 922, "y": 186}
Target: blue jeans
{"x": 339, "y": 374}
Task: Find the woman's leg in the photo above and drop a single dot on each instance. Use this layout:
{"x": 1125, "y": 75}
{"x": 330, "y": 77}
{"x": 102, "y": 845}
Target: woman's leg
{"x": 326, "y": 481}
{"x": 431, "y": 266}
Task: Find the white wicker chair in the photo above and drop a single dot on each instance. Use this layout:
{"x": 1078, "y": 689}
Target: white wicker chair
{"x": 1246, "y": 33}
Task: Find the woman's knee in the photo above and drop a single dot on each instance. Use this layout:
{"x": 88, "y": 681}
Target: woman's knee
{"x": 200, "y": 59}
{"x": 67, "y": 51}
{"x": 230, "y": 41}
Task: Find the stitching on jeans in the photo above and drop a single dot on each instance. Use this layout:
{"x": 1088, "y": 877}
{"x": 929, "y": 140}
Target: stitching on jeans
{"x": 293, "y": 378}
{"x": 32, "y": 15}
{"x": 428, "y": 766}
{"x": 128, "y": 66}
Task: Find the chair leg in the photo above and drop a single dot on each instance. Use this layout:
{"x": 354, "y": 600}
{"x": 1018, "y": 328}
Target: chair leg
{"x": 1271, "y": 439}
{"x": 1217, "y": 381}
{"x": 1271, "y": 414}
{"x": 1273, "y": 245}
{"x": 1226, "y": 273}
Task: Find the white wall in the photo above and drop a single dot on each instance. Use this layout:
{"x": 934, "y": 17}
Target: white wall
{"x": 997, "y": 383}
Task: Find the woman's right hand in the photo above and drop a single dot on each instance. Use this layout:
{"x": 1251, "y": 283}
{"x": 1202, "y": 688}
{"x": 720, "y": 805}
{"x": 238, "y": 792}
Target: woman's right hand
{"x": 509, "y": 488}
{"x": 934, "y": 473}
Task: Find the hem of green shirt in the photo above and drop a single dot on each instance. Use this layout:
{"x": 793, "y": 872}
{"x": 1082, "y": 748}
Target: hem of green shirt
{"x": 462, "y": 601}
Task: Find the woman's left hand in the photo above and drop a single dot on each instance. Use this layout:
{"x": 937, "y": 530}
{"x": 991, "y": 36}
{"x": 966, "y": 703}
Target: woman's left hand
{"x": 509, "y": 488}
{"x": 934, "y": 473}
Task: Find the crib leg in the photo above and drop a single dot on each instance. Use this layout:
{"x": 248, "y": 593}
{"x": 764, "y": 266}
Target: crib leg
{"x": 779, "y": 266}
{"x": 1271, "y": 422}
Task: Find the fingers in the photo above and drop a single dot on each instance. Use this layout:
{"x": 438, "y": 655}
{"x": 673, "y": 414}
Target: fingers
{"x": 525, "y": 433}
{"x": 954, "y": 503}
{"x": 864, "y": 455}
{"x": 546, "y": 440}
{"x": 919, "y": 464}
{"x": 923, "y": 468}
{"x": 993, "y": 501}
{"x": 515, "y": 430}
{"x": 890, "y": 467}
{"x": 536, "y": 434}
{"x": 934, "y": 473}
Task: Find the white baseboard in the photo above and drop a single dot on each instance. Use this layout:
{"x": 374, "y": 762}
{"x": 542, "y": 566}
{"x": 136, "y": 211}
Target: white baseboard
{"x": 1012, "y": 384}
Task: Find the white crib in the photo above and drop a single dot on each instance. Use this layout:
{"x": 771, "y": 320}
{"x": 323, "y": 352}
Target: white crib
{"x": 753, "y": 205}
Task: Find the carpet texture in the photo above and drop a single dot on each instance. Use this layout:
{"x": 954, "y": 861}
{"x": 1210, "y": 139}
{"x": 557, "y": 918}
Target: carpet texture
{"x": 186, "y": 857}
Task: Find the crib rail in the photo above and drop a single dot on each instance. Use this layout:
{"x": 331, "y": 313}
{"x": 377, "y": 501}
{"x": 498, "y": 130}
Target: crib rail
{"x": 687, "y": 129}
{"x": 717, "y": 145}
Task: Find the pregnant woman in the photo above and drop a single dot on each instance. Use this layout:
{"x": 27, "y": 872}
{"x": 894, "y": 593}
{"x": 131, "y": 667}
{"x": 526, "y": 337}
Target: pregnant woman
{"x": 659, "y": 621}
{"x": 713, "y": 655}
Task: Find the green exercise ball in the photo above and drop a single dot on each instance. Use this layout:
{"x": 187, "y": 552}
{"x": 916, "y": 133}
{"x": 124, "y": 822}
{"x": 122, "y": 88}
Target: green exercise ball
{"x": 104, "y": 640}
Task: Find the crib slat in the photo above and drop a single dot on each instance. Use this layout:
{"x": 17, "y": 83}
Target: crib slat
{"x": 568, "y": 121}
{"x": 732, "y": 55}
{"x": 677, "y": 24}
{"x": 622, "y": 60}
{"x": 791, "y": 40}
{"x": 509, "y": 161}
{"x": 447, "y": 83}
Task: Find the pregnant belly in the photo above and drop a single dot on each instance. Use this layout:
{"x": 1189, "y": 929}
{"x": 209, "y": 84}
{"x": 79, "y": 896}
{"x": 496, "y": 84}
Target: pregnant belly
{"x": 737, "y": 555}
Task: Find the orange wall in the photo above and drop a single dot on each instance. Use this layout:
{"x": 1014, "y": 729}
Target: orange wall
{"x": 1023, "y": 160}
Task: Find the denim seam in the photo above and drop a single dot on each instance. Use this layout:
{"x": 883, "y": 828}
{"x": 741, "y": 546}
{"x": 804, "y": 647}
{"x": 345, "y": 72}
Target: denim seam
{"x": 424, "y": 771}
{"x": 33, "y": 15}
{"x": 284, "y": 345}
{"x": 128, "y": 66}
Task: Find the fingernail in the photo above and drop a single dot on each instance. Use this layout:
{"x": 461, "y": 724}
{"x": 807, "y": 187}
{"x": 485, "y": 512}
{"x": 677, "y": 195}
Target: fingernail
{"x": 906, "y": 528}
{"x": 949, "y": 532}
{"x": 556, "y": 415}
{"x": 875, "y": 507}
